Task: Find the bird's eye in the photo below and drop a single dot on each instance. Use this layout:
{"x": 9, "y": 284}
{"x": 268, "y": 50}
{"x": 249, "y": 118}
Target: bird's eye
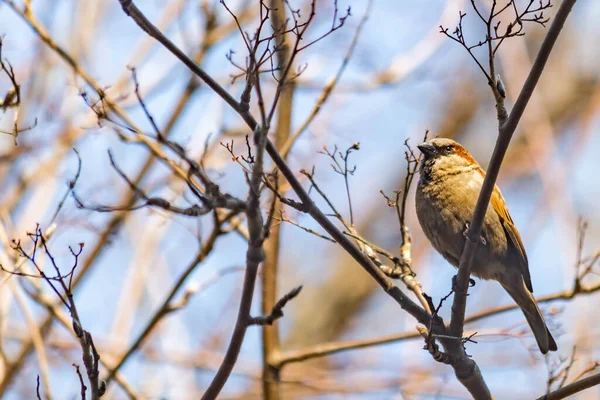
{"x": 448, "y": 148}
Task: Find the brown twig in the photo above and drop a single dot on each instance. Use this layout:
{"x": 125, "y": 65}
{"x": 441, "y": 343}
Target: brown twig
{"x": 568, "y": 368}
{"x": 325, "y": 349}
{"x": 81, "y": 382}
{"x": 37, "y": 388}
{"x": 210, "y": 202}
{"x": 329, "y": 87}
{"x": 12, "y": 98}
{"x": 314, "y": 185}
{"x": 344, "y": 171}
{"x": 403, "y": 266}
{"x": 585, "y": 371}
{"x": 61, "y": 285}
{"x": 57, "y": 313}
{"x": 277, "y": 311}
{"x": 254, "y": 257}
{"x": 283, "y": 218}
{"x": 492, "y": 23}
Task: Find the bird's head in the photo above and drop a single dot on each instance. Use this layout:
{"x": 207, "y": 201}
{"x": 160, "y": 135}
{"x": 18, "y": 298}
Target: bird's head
{"x": 441, "y": 155}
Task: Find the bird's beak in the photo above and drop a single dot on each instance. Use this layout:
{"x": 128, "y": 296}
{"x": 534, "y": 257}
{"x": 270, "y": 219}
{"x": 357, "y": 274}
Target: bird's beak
{"x": 427, "y": 148}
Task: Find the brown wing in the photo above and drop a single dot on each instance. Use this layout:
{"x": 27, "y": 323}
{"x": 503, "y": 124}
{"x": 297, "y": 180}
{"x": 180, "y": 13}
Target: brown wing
{"x": 514, "y": 239}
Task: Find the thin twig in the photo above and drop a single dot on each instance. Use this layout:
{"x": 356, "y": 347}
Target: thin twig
{"x": 277, "y": 311}
{"x": 63, "y": 289}
{"x": 330, "y": 86}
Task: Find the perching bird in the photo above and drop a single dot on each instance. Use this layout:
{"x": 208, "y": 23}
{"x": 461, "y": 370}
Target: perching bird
{"x": 445, "y": 200}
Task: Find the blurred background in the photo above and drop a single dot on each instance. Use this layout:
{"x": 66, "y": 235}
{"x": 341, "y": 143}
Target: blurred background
{"x": 402, "y": 78}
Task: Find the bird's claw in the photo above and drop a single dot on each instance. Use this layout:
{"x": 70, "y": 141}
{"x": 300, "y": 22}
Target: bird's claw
{"x": 466, "y": 235}
{"x": 455, "y": 285}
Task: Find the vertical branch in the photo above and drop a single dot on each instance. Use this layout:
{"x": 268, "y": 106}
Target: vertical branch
{"x": 254, "y": 257}
{"x": 270, "y": 333}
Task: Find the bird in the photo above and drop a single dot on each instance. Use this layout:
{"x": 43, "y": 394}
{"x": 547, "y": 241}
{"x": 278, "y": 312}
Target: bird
{"x": 449, "y": 185}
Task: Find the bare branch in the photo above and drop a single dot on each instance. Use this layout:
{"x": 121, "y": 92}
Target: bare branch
{"x": 572, "y": 388}
{"x": 277, "y": 311}
{"x": 283, "y": 218}
{"x": 81, "y": 383}
{"x": 506, "y": 130}
{"x": 63, "y": 290}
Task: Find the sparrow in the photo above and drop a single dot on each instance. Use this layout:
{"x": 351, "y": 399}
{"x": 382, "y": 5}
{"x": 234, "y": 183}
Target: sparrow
{"x": 445, "y": 200}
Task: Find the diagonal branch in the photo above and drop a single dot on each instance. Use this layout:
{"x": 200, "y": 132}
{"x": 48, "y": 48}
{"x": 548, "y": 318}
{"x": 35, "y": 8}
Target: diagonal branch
{"x": 406, "y": 303}
{"x": 506, "y": 130}
{"x": 572, "y": 388}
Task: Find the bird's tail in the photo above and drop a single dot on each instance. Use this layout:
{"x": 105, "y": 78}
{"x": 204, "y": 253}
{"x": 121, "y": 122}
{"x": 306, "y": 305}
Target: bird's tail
{"x": 524, "y": 299}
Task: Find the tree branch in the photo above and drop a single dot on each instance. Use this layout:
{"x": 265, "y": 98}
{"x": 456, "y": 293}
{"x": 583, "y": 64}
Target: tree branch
{"x": 393, "y": 291}
{"x": 506, "y": 130}
{"x": 572, "y": 388}
{"x": 325, "y": 349}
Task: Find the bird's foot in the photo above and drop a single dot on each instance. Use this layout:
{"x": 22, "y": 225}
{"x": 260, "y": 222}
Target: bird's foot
{"x": 466, "y": 235}
{"x": 455, "y": 287}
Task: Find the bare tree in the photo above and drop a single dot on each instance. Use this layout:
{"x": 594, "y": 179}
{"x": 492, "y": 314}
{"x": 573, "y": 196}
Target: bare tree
{"x": 186, "y": 199}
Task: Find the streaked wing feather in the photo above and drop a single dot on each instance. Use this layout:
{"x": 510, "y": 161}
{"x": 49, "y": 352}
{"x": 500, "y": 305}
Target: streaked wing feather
{"x": 499, "y": 205}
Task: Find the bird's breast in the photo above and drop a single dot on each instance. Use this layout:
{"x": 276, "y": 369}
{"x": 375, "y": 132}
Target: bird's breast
{"x": 445, "y": 207}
